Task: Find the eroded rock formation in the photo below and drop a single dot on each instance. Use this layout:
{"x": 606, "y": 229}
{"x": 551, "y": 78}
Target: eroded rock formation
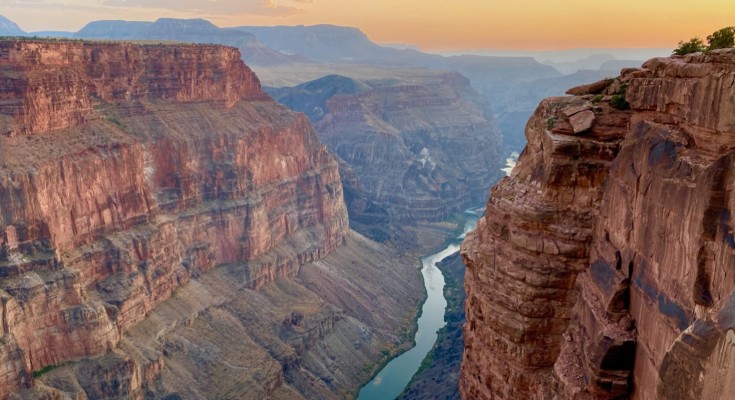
{"x": 128, "y": 171}
{"x": 604, "y": 267}
{"x": 415, "y": 147}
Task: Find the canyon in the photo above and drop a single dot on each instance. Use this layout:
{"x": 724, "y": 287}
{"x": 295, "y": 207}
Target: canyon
{"x": 169, "y": 231}
{"x": 285, "y": 56}
{"x": 415, "y": 146}
{"x": 513, "y": 82}
{"x": 603, "y": 266}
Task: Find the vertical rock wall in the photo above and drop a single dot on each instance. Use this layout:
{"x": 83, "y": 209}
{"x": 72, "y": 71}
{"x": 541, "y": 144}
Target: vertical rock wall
{"x": 604, "y": 267}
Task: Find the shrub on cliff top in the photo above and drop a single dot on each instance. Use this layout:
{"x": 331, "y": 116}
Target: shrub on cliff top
{"x": 694, "y": 45}
{"x": 722, "y": 39}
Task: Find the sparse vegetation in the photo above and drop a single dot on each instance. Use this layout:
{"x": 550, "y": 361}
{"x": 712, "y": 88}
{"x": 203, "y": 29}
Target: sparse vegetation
{"x": 618, "y": 99}
{"x": 46, "y": 369}
{"x": 550, "y": 123}
{"x": 143, "y": 43}
{"x": 694, "y": 45}
{"x": 720, "y": 39}
{"x": 115, "y": 121}
{"x": 598, "y": 98}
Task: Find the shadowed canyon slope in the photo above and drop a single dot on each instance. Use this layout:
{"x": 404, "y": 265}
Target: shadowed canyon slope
{"x": 162, "y": 218}
{"x": 414, "y": 147}
{"x": 604, "y": 266}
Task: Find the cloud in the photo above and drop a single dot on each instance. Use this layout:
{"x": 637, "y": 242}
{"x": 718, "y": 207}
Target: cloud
{"x": 257, "y": 7}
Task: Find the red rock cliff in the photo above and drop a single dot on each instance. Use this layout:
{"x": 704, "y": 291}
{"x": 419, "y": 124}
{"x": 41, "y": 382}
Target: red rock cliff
{"x": 126, "y": 170}
{"x": 604, "y": 266}
{"x": 54, "y": 85}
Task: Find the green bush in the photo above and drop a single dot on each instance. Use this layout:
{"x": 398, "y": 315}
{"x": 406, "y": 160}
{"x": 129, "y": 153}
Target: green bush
{"x": 618, "y": 99}
{"x": 722, "y": 39}
{"x": 694, "y": 45}
{"x": 48, "y": 368}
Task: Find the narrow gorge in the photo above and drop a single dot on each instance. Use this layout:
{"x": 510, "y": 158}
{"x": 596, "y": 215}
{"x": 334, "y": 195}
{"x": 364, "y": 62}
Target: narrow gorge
{"x": 603, "y": 268}
{"x": 169, "y": 231}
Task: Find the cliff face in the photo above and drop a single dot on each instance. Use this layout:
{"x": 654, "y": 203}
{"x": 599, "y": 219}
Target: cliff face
{"x": 421, "y": 151}
{"x": 128, "y": 170}
{"x": 55, "y": 85}
{"x": 415, "y": 148}
{"x": 604, "y": 267}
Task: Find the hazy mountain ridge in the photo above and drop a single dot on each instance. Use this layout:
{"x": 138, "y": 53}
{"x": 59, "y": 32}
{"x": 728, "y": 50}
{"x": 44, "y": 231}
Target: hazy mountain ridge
{"x": 513, "y": 84}
{"x": 504, "y": 80}
{"x": 9, "y": 28}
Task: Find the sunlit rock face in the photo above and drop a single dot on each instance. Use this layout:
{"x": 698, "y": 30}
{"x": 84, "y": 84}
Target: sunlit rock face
{"x": 604, "y": 266}
{"x": 127, "y": 170}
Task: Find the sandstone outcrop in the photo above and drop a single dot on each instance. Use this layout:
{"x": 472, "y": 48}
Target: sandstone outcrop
{"x": 127, "y": 171}
{"x": 604, "y": 266}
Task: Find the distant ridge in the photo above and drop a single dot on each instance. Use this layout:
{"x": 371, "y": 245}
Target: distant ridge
{"x": 329, "y": 43}
{"x": 9, "y": 28}
{"x": 187, "y": 30}
{"x": 513, "y": 81}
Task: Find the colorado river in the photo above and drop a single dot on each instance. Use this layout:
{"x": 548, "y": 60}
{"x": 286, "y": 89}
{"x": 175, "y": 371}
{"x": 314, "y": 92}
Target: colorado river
{"x": 394, "y": 377}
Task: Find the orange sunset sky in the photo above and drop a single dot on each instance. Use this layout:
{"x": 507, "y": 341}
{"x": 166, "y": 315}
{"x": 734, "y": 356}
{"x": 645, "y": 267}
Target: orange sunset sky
{"x": 428, "y": 24}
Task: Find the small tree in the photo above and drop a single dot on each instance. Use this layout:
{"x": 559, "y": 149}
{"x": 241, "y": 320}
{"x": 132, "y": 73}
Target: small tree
{"x": 722, "y": 39}
{"x": 694, "y": 45}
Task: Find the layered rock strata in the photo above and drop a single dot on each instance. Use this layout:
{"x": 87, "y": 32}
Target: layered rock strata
{"x": 415, "y": 147}
{"x": 604, "y": 266}
{"x": 316, "y": 336}
{"x": 128, "y": 170}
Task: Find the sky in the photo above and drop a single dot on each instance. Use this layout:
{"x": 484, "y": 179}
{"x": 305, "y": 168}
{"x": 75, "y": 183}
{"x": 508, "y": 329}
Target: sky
{"x": 432, "y": 25}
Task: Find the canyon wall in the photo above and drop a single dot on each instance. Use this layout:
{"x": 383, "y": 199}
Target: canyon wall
{"x": 604, "y": 266}
{"x": 127, "y": 171}
{"x": 417, "y": 146}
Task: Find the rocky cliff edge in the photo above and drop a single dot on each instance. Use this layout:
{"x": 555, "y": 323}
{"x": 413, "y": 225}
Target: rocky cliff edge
{"x": 604, "y": 266}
